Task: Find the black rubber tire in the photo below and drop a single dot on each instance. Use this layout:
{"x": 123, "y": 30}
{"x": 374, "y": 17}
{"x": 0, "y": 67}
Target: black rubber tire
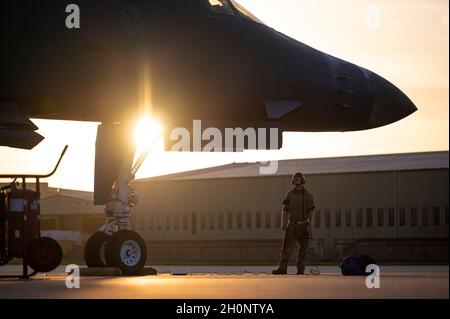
{"x": 44, "y": 254}
{"x": 113, "y": 252}
{"x": 92, "y": 250}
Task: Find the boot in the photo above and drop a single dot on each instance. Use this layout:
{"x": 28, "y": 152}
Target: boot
{"x": 279, "y": 271}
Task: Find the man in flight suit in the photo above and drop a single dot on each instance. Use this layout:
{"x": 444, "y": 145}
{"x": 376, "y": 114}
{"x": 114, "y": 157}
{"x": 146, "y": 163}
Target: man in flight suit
{"x": 298, "y": 213}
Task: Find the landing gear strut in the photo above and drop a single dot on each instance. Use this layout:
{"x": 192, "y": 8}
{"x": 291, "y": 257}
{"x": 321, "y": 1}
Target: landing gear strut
{"x": 114, "y": 244}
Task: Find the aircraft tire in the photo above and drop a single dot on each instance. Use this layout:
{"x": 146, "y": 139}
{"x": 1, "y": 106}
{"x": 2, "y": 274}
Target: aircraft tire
{"x": 127, "y": 251}
{"x": 94, "y": 252}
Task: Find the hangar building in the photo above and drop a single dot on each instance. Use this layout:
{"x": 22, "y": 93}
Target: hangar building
{"x": 393, "y": 207}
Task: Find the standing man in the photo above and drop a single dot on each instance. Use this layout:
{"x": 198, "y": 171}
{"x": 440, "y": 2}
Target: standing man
{"x": 298, "y": 213}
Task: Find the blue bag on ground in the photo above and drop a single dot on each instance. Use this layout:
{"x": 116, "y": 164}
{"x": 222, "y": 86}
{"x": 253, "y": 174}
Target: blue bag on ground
{"x": 355, "y": 265}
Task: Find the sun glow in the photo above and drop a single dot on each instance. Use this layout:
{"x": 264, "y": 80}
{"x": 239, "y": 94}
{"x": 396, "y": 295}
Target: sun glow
{"x": 148, "y": 131}
{"x": 149, "y": 142}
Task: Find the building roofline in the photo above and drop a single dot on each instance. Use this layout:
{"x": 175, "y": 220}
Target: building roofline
{"x": 319, "y": 166}
{"x": 62, "y": 195}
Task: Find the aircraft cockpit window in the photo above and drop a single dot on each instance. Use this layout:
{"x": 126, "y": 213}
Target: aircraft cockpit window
{"x": 245, "y": 13}
{"x": 220, "y": 6}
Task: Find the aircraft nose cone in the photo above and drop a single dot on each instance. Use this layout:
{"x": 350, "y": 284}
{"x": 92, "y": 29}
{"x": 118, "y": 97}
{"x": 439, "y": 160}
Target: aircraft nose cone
{"x": 390, "y": 104}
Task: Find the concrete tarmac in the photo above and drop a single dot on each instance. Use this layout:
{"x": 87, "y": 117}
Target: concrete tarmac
{"x": 233, "y": 282}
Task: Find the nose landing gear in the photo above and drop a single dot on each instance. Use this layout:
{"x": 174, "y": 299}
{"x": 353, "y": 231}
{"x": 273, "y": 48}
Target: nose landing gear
{"x": 114, "y": 245}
